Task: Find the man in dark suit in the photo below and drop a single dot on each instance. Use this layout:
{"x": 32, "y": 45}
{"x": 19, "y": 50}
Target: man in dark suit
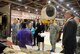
{"x": 69, "y": 33}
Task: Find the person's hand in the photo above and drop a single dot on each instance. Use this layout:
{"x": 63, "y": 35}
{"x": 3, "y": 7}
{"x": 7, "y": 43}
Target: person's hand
{"x": 62, "y": 46}
{"x": 8, "y": 43}
{"x": 38, "y": 33}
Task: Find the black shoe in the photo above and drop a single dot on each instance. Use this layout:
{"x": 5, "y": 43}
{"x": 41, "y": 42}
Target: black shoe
{"x": 58, "y": 40}
{"x": 62, "y": 51}
{"x": 38, "y": 49}
{"x": 51, "y": 50}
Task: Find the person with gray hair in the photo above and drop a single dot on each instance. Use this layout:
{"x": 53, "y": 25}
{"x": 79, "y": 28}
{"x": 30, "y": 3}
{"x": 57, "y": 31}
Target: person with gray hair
{"x": 68, "y": 15}
{"x": 69, "y": 33}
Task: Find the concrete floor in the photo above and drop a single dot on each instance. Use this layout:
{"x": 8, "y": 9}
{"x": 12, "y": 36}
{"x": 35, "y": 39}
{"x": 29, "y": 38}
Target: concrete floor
{"x": 48, "y": 45}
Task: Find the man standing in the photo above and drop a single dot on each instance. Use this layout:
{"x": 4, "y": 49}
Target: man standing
{"x": 69, "y": 33}
{"x": 54, "y": 30}
{"x": 14, "y": 31}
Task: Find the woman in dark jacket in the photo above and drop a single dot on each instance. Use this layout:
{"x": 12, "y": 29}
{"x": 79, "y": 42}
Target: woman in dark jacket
{"x": 40, "y": 29}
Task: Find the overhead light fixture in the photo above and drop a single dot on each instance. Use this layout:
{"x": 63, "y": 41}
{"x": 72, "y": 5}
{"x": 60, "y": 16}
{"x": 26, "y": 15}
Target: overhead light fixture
{"x": 25, "y": 7}
{"x": 36, "y": 9}
{"x": 20, "y": 0}
{"x": 18, "y": 9}
{"x": 68, "y": 5}
{"x": 74, "y": 11}
{"x": 29, "y": 11}
{"x": 77, "y": 13}
{"x": 61, "y": 0}
{"x": 63, "y": 9}
{"x": 49, "y": 2}
{"x": 57, "y": 6}
{"x": 71, "y": 8}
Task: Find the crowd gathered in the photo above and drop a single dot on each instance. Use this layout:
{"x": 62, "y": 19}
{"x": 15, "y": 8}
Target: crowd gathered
{"x": 27, "y": 32}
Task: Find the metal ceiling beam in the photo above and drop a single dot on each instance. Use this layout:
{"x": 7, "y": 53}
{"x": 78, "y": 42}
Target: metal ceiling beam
{"x": 77, "y": 3}
{"x": 20, "y": 4}
{"x": 59, "y": 4}
{"x": 36, "y": 3}
{"x": 73, "y": 1}
{"x": 25, "y": 4}
{"x": 29, "y": 3}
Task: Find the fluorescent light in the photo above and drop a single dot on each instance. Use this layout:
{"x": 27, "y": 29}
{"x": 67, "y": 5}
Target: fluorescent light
{"x": 68, "y": 5}
{"x": 77, "y": 13}
{"x": 20, "y": 0}
{"x": 71, "y": 8}
{"x": 18, "y": 9}
{"x": 49, "y": 2}
{"x": 74, "y": 11}
{"x": 57, "y": 6}
{"x": 36, "y": 9}
{"x": 61, "y": 0}
{"x": 63, "y": 9}
{"x": 25, "y": 7}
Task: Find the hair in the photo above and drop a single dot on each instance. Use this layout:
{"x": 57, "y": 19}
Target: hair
{"x": 23, "y": 25}
{"x": 76, "y": 17}
{"x": 70, "y": 13}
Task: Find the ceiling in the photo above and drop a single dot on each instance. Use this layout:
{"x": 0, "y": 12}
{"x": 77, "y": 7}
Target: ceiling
{"x": 32, "y": 5}
{"x": 72, "y": 5}
{"x": 2, "y": 3}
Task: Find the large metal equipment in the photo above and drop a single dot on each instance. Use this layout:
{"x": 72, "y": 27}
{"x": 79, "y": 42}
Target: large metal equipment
{"x": 48, "y": 12}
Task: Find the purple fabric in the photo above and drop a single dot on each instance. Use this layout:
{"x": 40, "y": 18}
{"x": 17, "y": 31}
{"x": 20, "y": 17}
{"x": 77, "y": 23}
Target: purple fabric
{"x": 24, "y": 37}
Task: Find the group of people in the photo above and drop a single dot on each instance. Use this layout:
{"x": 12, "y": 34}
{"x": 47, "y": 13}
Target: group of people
{"x": 28, "y": 33}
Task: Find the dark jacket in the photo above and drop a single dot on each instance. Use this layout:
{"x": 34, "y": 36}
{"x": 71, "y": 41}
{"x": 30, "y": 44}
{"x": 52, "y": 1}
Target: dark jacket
{"x": 69, "y": 34}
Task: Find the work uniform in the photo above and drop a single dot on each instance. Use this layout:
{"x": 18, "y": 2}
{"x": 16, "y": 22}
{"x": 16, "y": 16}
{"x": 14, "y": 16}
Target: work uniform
{"x": 53, "y": 34}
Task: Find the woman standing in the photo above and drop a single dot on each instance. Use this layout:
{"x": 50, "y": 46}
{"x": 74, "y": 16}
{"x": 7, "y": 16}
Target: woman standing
{"x": 31, "y": 28}
{"x": 40, "y": 39}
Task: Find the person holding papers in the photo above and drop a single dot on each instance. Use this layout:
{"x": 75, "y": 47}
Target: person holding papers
{"x": 39, "y": 37}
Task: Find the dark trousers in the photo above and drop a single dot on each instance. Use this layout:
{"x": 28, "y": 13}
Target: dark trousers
{"x": 59, "y": 36}
{"x": 35, "y": 39}
{"x": 69, "y": 51}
